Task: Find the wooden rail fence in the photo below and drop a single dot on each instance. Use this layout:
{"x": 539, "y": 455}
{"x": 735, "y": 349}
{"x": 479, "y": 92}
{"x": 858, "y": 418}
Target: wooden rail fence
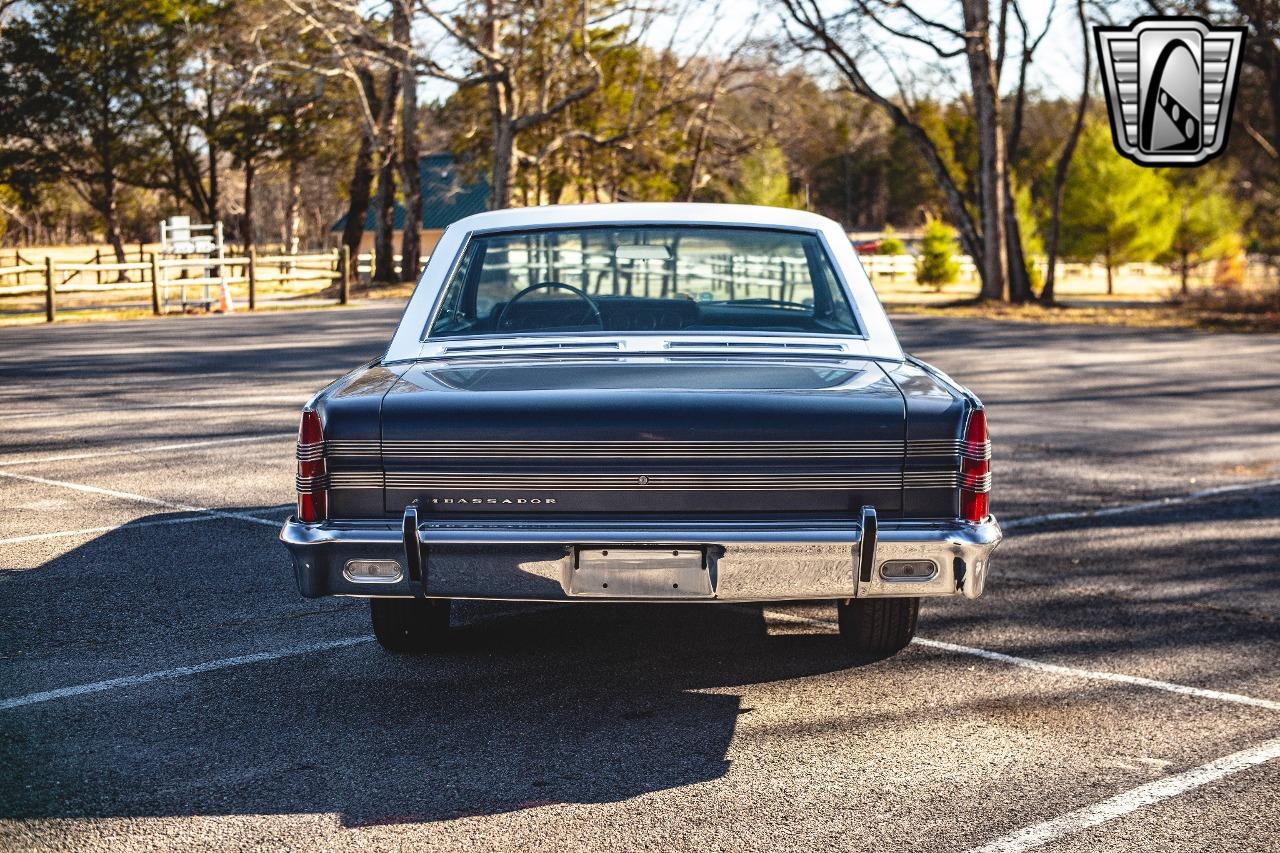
{"x": 162, "y": 276}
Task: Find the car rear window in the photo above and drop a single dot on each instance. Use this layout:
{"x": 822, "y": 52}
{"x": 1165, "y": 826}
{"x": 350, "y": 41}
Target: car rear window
{"x": 644, "y": 279}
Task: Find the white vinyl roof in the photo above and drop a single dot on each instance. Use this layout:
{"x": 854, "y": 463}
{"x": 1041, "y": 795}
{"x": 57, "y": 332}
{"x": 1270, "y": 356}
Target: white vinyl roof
{"x": 664, "y": 212}
{"x": 879, "y": 340}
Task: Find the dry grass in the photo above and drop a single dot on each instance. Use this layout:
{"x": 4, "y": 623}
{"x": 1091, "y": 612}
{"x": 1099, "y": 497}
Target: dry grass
{"x": 1211, "y": 311}
{"x": 96, "y": 315}
{"x": 1205, "y": 310}
{"x": 79, "y": 307}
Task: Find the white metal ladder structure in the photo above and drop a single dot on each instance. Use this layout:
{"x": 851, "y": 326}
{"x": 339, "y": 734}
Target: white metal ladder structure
{"x": 184, "y": 246}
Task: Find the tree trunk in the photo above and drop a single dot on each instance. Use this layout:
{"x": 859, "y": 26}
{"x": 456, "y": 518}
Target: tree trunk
{"x": 384, "y": 269}
{"x": 411, "y": 240}
{"x": 410, "y": 176}
{"x": 211, "y": 141}
{"x": 1272, "y": 74}
{"x": 1107, "y": 258}
{"x": 501, "y": 116}
{"x": 384, "y": 266}
{"x": 104, "y": 199}
{"x": 1064, "y": 164}
{"x": 111, "y": 219}
{"x": 991, "y": 191}
{"x": 247, "y": 236}
{"x": 361, "y": 186}
{"x": 695, "y": 162}
{"x": 358, "y": 193}
{"x": 1185, "y": 268}
{"x": 556, "y": 184}
{"x": 504, "y": 162}
{"x": 1019, "y": 279}
{"x": 293, "y": 209}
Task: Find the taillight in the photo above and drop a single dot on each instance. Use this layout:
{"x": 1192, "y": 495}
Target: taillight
{"x": 312, "y": 497}
{"x": 975, "y": 468}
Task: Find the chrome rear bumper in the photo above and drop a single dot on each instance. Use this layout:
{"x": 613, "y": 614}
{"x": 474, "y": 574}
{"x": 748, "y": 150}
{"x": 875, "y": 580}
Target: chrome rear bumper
{"x": 746, "y": 561}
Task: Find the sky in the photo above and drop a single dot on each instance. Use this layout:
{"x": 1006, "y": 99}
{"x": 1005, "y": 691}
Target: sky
{"x": 719, "y": 24}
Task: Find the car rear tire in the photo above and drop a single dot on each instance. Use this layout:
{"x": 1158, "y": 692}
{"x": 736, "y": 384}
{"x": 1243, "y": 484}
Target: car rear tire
{"x": 877, "y": 626}
{"x": 410, "y": 626}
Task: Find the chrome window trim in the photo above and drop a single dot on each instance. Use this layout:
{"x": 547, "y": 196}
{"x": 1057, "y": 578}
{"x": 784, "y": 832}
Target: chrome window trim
{"x": 841, "y": 282}
{"x": 411, "y": 340}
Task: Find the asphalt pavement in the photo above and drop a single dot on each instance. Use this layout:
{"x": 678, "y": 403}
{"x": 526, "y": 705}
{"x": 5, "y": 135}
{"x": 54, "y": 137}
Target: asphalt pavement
{"x": 163, "y": 686}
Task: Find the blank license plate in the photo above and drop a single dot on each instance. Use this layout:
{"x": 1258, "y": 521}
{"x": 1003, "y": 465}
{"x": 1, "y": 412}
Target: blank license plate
{"x": 640, "y": 573}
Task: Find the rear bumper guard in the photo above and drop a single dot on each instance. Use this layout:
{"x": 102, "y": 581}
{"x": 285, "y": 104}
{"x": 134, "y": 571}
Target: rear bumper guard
{"x": 746, "y": 561}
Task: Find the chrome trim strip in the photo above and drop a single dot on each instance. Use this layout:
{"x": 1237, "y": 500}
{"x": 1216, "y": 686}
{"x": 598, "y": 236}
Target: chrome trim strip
{"x": 353, "y": 448}
{"x": 978, "y": 451}
{"x": 604, "y": 453}
{"x": 559, "y": 485}
{"x": 625, "y": 449}
{"x": 929, "y": 480}
{"x": 719, "y": 346}
{"x": 310, "y": 452}
{"x": 412, "y": 449}
{"x": 497, "y": 348}
{"x": 556, "y": 481}
{"x": 310, "y": 485}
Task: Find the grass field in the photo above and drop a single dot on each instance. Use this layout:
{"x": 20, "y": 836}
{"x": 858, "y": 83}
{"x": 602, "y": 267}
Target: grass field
{"x": 1145, "y": 295}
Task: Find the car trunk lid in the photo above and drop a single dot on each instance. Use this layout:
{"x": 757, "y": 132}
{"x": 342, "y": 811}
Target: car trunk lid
{"x": 642, "y": 436}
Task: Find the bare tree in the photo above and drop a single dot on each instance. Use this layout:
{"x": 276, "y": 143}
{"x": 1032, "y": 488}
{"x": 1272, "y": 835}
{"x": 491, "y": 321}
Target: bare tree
{"x": 384, "y": 266}
{"x": 828, "y": 36}
{"x": 991, "y": 237}
{"x": 1019, "y": 278}
{"x": 534, "y": 60}
{"x": 402, "y": 15}
{"x": 1063, "y": 164}
{"x": 991, "y": 147}
{"x": 360, "y": 188}
{"x": 667, "y": 91}
{"x": 721, "y": 78}
{"x": 360, "y": 47}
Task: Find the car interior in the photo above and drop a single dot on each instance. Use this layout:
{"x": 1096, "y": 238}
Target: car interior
{"x": 729, "y": 282}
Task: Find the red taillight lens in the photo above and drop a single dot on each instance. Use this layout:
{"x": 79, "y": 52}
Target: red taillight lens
{"x": 312, "y": 497}
{"x": 975, "y": 469}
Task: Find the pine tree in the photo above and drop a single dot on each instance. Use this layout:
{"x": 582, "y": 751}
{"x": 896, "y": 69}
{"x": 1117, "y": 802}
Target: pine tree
{"x": 890, "y": 244}
{"x": 1114, "y": 209}
{"x": 1208, "y": 221}
{"x": 764, "y": 178}
{"x": 937, "y": 264}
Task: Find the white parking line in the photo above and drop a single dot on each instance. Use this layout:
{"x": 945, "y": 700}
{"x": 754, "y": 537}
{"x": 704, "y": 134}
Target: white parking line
{"x": 178, "y": 672}
{"x": 1120, "y": 678}
{"x": 1071, "y": 823}
{"x": 124, "y": 408}
{"x": 129, "y": 496}
{"x": 89, "y": 531}
{"x": 1058, "y": 669}
{"x": 144, "y": 449}
{"x": 1032, "y": 520}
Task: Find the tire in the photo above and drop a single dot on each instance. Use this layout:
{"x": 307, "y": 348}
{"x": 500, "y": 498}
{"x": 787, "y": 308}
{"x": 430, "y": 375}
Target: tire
{"x": 877, "y": 626}
{"x": 410, "y": 626}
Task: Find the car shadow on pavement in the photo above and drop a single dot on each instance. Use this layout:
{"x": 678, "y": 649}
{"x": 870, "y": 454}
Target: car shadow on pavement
{"x": 529, "y": 705}
{"x": 577, "y": 704}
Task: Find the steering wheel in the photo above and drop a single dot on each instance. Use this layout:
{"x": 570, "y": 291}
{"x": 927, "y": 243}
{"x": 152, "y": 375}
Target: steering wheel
{"x": 504, "y": 321}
